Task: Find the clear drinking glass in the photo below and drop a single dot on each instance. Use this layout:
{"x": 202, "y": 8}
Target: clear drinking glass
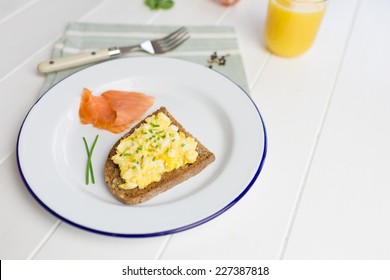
{"x": 292, "y": 25}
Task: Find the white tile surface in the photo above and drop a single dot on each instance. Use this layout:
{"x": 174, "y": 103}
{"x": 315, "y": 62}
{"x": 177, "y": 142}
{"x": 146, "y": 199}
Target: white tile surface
{"x": 74, "y": 244}
{"x": 323, "y": 191}
{"x": 260, "y": 222}
{"x": 24, "y": 223}
{"x": 10, "y": 8}
{"x": 27, "y": 37}
{"x": 344, "y": 209}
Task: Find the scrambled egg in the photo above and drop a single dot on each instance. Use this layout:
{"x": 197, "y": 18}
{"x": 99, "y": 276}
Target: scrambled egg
{"x": 152, "y": 149}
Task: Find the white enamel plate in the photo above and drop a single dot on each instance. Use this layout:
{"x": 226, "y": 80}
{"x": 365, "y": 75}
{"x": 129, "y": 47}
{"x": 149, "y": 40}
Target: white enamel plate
{"x": 52, "y": 156}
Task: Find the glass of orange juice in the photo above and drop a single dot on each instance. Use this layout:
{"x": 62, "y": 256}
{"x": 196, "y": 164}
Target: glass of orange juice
{"x": 292, "y": 25}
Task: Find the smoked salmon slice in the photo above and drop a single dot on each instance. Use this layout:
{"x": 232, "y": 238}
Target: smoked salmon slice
{"x": 113, "y": 110}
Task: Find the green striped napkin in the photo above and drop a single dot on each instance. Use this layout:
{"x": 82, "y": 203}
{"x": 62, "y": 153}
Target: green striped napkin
{"x": 204, "y": 42}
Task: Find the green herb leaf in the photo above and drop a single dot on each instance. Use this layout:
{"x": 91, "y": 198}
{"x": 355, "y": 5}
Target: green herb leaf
{"x": 89, "y": 170}
{"x": 152, "y": 4}
{"x": 159, "y": 4}
{"x": 166, "y": 4}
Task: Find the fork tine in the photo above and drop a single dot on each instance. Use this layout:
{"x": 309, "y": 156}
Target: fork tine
{"x": 168, "y": 42}
{"x": 174, "y": 44}
{"x": 173, "y": 36}
{"x": 181, "y": 29}
{"x": 173, "y": 39}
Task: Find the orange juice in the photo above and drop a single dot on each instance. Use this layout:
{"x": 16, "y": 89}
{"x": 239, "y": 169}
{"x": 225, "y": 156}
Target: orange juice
{"x": 292, "y": 25}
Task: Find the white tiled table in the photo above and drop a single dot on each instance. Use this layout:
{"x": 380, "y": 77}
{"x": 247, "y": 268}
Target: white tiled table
{"x": 324, "y": 191}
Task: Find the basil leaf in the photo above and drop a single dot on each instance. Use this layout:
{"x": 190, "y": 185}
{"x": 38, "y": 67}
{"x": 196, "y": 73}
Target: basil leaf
{"x": 159, "y": 4}
{"x": 165, "y": 4}
{"x": 152, "y": 4}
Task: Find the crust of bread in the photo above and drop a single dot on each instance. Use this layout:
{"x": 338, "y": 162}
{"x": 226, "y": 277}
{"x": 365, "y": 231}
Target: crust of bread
{"x": 168, "y": 180}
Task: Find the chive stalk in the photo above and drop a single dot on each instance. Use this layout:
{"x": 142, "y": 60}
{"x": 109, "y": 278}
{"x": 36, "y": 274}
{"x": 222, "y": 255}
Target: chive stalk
{"x": 89, "y": 169}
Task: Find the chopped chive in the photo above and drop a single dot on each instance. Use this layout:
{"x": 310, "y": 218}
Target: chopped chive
{"x": 183, "y": 145}
{"x": 126, "y": 154}
{"x": 154, "y": 158}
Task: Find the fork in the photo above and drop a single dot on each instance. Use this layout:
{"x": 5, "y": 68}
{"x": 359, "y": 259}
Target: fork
{"x": 157, "y": 46}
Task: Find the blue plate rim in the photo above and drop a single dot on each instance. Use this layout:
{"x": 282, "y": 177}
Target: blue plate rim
{"x": 158, "y": 233}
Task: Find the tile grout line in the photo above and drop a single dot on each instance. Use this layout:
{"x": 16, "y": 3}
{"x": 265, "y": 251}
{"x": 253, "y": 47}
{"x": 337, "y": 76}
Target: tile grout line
{"x": 153, "y": 17}
{"x": 93, "y": 9}
{"x": 6, "y": 157}
{"x": 305, "y": 176}
{"x": 259, "y": 73}
{"x": 163, "y": 247}
{"x": 27, "y": 60}
{"x": 18, "y": 11}
{"x": 46, "y": 45}
{"x": 223, "y": 16}
{"x": 44, "y": 240}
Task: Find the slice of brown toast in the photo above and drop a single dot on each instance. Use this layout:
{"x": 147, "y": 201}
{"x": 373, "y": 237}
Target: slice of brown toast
{"x": 168, "y": 179}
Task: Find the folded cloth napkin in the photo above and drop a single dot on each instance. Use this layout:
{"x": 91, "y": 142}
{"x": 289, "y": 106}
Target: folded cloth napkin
{"x": 212, "y": 46}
